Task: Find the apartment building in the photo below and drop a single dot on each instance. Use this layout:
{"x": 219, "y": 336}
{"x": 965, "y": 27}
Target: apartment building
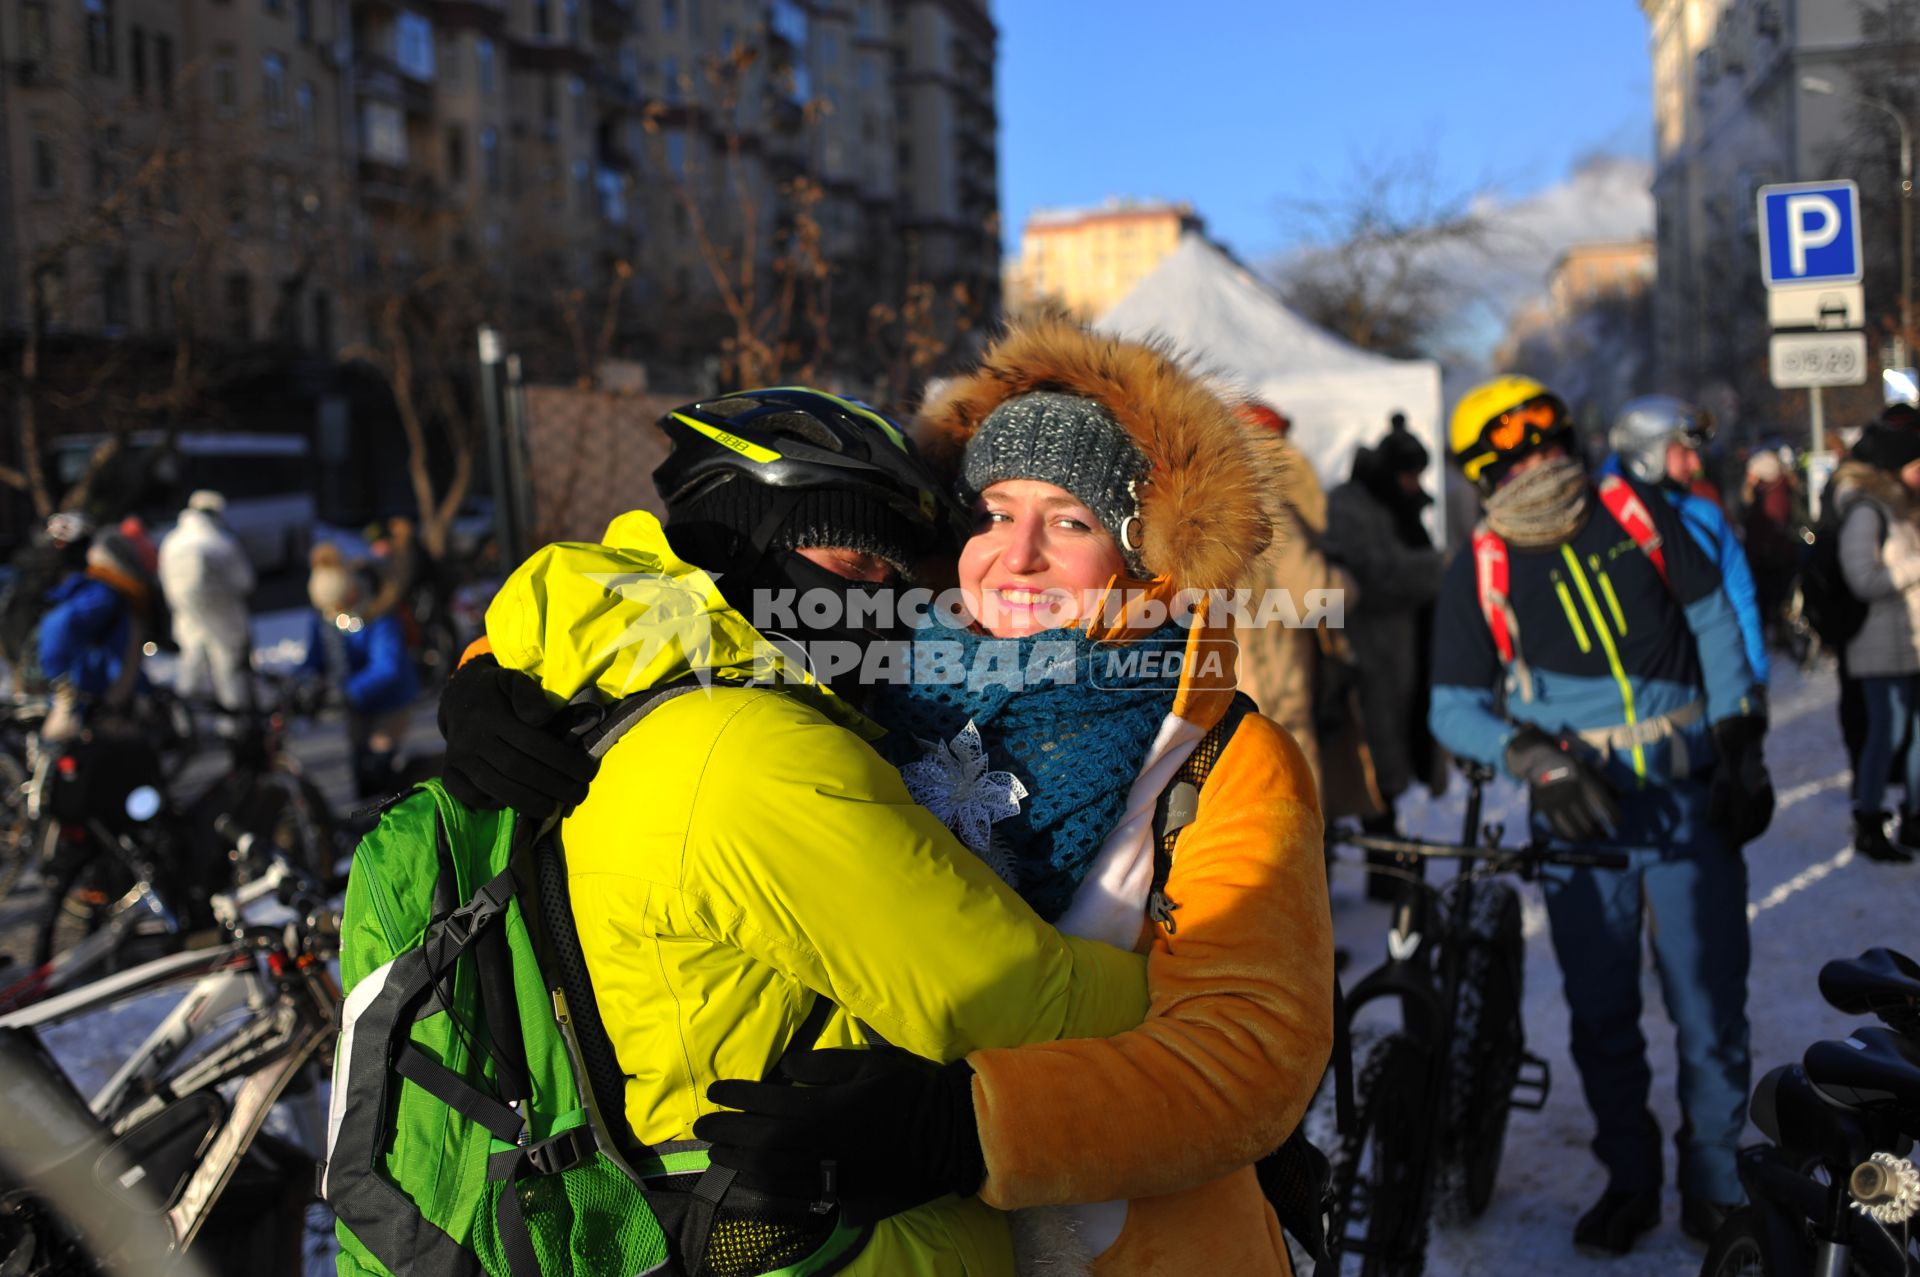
{"x": 312, "y": 148}
{"x": 1732, "y": 113}
{"x": 1087, "y": 259}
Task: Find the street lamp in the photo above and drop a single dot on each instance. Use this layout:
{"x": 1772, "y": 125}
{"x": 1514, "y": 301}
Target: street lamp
{"x": 1814, "y": 84}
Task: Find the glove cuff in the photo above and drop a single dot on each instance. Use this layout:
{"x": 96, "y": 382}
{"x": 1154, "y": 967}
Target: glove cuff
{"x": 966, "y": 1163}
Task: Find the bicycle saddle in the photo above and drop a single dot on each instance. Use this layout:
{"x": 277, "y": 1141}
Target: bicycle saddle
{"x": 1877, "y": 982}
{"x": 1876, "y": 1068}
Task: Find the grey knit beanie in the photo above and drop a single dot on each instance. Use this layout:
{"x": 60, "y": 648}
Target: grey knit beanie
{"x": 1071, "y": 442}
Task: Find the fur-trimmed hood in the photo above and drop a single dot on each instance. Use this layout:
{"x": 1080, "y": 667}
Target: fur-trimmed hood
{"x": 1202, "y": 507}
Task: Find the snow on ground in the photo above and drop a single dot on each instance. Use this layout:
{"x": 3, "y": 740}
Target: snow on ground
{"x": 1810, "y": 900}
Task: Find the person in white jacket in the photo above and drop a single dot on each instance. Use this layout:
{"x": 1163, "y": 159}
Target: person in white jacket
{"x": 1879, "y": 511}
{"x": 206, "y": 578}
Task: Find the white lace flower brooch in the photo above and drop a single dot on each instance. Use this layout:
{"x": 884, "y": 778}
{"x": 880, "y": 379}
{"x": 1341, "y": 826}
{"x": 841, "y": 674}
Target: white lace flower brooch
{"x": 951, "y": 780}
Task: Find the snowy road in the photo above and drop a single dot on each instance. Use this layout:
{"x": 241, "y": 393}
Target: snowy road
{"x": 1810, "y": 900}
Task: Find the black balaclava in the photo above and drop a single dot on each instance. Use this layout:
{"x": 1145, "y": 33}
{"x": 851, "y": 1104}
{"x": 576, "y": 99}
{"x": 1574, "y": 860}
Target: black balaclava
{"x": 748, "y": 534}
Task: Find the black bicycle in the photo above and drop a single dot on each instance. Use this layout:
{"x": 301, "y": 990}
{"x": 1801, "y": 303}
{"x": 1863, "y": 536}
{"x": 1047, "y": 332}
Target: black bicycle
{"x": 1433, "y": 1096}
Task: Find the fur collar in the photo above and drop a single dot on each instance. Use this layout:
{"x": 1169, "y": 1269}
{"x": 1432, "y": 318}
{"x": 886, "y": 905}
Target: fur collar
{"x": 1855, "y": 480}
{"x": 1202, "y": 508}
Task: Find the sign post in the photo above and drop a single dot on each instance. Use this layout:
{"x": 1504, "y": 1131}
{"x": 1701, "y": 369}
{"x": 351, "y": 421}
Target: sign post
{"x": 1810, "y": 261}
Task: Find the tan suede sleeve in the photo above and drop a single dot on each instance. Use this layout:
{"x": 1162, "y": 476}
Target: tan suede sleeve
{"x": 1240, "y": 1022}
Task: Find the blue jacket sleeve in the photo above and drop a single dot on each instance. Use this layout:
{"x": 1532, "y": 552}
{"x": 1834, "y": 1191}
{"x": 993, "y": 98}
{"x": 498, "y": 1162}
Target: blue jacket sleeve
{"x": 78, "y": 622}
{"x": 382, "y": 682}
{"x": 1714, "y": 534}
{"x": 1702, "y": 595}
{"x": 1464, "y": 712}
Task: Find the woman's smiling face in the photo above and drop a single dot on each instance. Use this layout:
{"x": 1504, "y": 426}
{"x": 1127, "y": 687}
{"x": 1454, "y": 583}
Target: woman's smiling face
{"x": 1037, "y": 559}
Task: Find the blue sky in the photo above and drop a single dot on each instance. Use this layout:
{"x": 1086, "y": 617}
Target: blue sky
{"x": 1242, "y": 105}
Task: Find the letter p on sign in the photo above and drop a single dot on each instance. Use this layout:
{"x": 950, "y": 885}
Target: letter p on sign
{"x": 1813, "y": 221}
{"x": 1809, "y": 233}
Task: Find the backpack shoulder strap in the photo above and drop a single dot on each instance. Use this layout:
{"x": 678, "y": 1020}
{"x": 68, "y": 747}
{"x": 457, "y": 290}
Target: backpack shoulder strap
{"x": 622, "y": 716}
{"x": 1631, "y": 513}
{"x": 1490, "y": 575}
{"x": 1179, "y": 804}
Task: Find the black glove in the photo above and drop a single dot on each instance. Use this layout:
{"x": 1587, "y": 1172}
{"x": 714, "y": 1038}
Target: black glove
{"x": 506, "y": 745}
{"x": 1740, "y": 795}
{"x": 1576, "y": 799}
{"x": 898, "y": 1131}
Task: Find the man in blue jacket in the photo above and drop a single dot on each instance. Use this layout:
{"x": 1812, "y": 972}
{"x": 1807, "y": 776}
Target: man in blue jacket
{"x": 94, "y": 635}
{"x": 1657, "y": 439}
{"x": 365, "y": 662}
{"x": 1586, "y": 643}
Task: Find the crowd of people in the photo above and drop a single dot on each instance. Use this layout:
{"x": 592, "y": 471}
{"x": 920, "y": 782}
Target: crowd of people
{"x": 88, "y": 604}
{"x": 1051, "y": 1013}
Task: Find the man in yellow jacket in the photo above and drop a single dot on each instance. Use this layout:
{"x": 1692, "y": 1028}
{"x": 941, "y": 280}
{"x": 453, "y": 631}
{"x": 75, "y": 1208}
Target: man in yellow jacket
{"x": 743, "y": 852}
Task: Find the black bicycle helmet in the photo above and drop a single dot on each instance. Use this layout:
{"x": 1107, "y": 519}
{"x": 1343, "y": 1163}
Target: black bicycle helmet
{"x": 848, "y": 475}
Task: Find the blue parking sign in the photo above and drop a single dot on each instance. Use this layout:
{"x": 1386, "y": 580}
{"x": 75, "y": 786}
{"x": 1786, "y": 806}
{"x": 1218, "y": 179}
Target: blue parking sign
{"x": 1810, "y": 233}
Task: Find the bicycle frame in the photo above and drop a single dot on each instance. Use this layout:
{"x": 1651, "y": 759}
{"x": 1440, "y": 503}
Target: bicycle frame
{"x": 300, "y": 1000}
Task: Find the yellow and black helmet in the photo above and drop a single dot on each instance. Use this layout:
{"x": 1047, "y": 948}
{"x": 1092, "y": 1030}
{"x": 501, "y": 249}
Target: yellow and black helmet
{"x": 1505, "y": 419}
{"x": 787, "y": 466}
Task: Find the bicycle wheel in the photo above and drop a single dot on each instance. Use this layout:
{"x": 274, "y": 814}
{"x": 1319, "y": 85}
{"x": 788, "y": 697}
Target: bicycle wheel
{"x": 290, "y": 812}
{"x": 1489, "y": 1040}
{"x": 1736, "y": 1250}
{"x": 16, "y": 828}
{"x": 1379, "y": 1208}
{"x": 85, "y": 891}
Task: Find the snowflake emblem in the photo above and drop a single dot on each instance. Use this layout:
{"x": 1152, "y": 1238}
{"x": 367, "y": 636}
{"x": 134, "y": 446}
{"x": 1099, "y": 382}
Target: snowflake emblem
{"x": 951, "y": 780}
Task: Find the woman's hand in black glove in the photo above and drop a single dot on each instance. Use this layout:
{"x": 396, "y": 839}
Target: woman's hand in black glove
{"x": 506, "y": 743}
{"x": 878, "y": 1131}
{"x": 1740, "y": 794}
{"x": 1569, "y": 792}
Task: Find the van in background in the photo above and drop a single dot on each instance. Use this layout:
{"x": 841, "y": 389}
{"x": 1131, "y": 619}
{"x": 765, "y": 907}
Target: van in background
{"x": 266, "y": 479}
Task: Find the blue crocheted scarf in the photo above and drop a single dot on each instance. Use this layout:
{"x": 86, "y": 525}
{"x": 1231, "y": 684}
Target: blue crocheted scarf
{"x": 1076, "y": 743}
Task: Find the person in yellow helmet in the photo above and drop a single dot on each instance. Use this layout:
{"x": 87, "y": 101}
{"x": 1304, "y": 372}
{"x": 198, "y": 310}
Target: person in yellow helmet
{"x": 1586, "y": 644}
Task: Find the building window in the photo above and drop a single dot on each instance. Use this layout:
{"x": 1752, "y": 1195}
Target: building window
{"x": 571, "y": 8}
{"x": 585, "y": 197}
{"x": 163, "y": 67}
{"x": 273, "y": 87}
{"x": 226, "y": 87}
{"x": 456, "y": 155}
{"x": 99, "y": 36}
{"x": 303, "y": 19}
{"x": 670, "y": 73}
{"x": 577, "y": 92}
{"x": 36, "y": 41}
{"x": 384, "y": 132}
{"x": 448, "y": 57}
{"x": 235, "y": 199}
{"x": 629, "y": 68}
{"x": 276, "y": 6}
{"x": 240, "y": 306}
{"x": 307, "y": 111}
{"x": 413, "y": 45}
{"x": 156, "y": 300}
{"x": 677, "y": 154}
{"x": 542, "y": 18}
{"x": 137, "y": 60}
{"x": 549, "y": 107}
{"x": 322, "y": 321}
{"x": 116, "y": 296}
{"x": 483, "y": 63}
{"x": 490, "y": 159}
{"x": 669, "y": 15}
{"x": 46, "y": 166}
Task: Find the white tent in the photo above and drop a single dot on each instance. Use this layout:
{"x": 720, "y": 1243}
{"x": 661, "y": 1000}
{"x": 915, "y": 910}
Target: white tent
{"x": 1232, "y": 326}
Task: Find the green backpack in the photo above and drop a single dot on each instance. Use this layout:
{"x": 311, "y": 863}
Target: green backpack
{"x": 477, "y": 1123}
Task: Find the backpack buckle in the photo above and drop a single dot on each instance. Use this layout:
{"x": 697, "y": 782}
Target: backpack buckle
{"x": 487, "y": 904}
{"x": 560, "y": 1153}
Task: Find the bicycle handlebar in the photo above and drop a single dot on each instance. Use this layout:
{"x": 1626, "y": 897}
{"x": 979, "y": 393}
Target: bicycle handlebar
{"x": 1534, "y": 853}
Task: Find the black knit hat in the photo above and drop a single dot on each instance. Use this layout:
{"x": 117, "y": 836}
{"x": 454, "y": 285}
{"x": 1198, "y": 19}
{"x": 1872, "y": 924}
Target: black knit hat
{"x": 1890, "y": 448}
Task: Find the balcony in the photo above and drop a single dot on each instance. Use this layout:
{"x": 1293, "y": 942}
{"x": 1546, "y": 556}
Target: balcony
{"x": 534, "y": 54}
{"x": 473, "y": 15}
{"x": 381, "y": 79}
{"x": 610, "y": 19}
{"x": 383, "y": 182}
